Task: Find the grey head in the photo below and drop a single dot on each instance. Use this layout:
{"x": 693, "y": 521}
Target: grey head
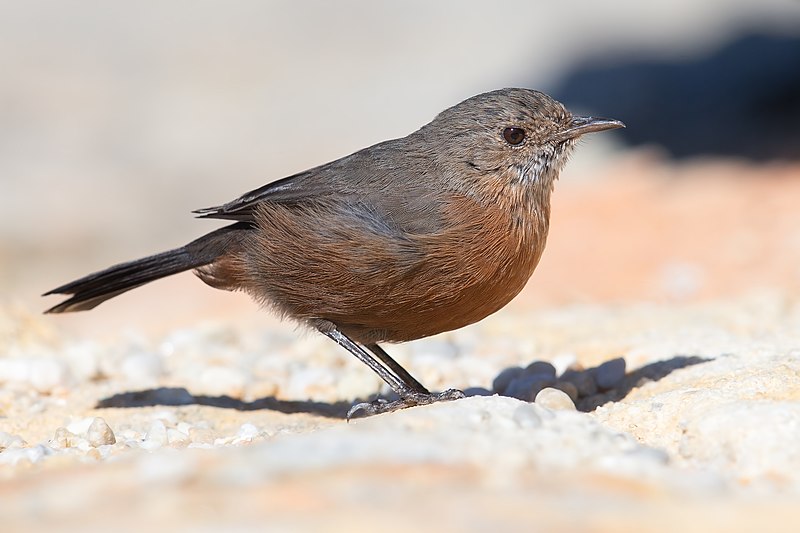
{"x": 522, "y": 133}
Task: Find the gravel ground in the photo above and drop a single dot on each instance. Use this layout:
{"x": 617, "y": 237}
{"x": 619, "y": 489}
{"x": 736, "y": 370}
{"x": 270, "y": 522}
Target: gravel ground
{"x": 690, "y": 420}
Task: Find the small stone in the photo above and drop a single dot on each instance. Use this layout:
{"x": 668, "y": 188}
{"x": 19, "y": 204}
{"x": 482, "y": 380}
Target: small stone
{"x": 541, "y": 368}
{"x": 222, "y": 381}
{"x": 142, "y": 367}
{"x": 583, "y": 381}
{"x": 247, "y": 432}
{"x": 7, "y": 440}
{"x": 476, "y": 391}
{"x": 610, "y": 374}
{"x": 504, "y": 378}
{"x": 99, "y": 433}
{"x": 62, "y": 439}
{"x": 48, "y": 374}
{"x": 166, "y": 416}
{"x": 527, "y": 386}
{"x": 526, "y": 416}
{"x": 569, "y": 388}
{"x": 177, "y": 438}
{"x": 80, "y": 427}
{"x": 31, "y": 455}
{"x": 199, "y": 435}
{"x": 156, "y": 435}
{"x": 554, "y": 399}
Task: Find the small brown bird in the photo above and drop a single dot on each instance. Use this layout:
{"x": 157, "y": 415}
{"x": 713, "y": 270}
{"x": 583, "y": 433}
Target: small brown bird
{"x": 405, "y": 239}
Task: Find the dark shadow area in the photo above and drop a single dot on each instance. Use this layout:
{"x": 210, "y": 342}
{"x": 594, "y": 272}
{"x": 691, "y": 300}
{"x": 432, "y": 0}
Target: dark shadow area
{"x": 175, "y": 396}
{"x": 742, "y": 100}
{"x": 632, "y": 380}
{"x": 588, "y": 388}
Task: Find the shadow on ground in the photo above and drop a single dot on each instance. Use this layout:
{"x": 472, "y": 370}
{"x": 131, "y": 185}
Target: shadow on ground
{"x": 586, "y": 397}
{"x": 177, "y": 396}
{"x": 639, "y": 377}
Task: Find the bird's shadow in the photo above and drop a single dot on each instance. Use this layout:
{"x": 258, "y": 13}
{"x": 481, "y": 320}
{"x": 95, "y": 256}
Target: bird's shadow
{"x": 655, "y": 371}
{"x": 179, "y": 396}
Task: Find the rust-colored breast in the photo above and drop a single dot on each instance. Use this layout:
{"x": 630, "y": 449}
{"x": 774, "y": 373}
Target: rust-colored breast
{"x": 375, "y": 284}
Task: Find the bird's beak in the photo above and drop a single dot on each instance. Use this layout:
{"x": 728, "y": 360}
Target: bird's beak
{"x": 581, "y": 125}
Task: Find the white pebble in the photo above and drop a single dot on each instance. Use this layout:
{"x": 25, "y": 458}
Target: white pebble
{"x": 31, "y": 455}
{"x": 168, "y": 417}
{"x": 7, "y": 440}
{"x": 142, "y": 367}
{"x": 246, "y": 433}
{"x": 81, "y": 426}
{"x": 554, "y": 399}
{"x": 156, "y": 435}
{"x": 62, "y": 439}
{"x": 569, "y": 388}
{"x": 526, "y": 416}
{"x": 48, "y": 374}
{"x": 200, "y": 435}
{"x": 222, "y": 381}
{"x": 99, "y": 433}
{"x": 177, "y": 438}
{"x": 43, "y": 374}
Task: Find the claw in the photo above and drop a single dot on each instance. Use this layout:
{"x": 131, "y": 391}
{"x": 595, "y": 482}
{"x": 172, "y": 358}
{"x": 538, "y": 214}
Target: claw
{"x": 411, "y": 399}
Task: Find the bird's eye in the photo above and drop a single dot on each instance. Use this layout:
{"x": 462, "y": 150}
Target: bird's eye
{"x": 514, "y": 136}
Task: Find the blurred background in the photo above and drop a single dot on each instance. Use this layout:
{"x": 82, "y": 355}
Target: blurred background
{"x": 118, "y": 119}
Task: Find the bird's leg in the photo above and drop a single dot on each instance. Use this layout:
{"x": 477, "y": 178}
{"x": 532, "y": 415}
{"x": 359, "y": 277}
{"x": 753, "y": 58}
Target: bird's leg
{"x": 410, "y": 391}
{"x": 395, "y": 367}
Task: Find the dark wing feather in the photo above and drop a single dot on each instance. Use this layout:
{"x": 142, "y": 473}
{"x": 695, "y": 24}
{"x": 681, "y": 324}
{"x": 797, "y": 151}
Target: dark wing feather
{"x": 285, "y": 190}
{"x": 373, "y": 182}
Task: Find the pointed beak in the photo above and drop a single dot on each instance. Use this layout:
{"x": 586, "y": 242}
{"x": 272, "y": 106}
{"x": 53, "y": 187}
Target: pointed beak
{"x": 582, "y": 125}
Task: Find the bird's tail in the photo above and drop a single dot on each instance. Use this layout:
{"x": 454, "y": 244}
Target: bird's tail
{"x": 92, "y": 290}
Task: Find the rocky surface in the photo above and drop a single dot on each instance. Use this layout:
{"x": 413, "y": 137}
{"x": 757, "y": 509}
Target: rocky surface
{"x": 692, "y": 418}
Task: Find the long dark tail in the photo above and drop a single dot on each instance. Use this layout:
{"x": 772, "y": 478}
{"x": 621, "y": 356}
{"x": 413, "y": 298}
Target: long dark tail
{"x": 94, "y": 289}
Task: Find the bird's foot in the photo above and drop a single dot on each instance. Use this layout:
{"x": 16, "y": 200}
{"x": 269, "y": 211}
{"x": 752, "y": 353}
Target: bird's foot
{"x": 409, "y": 399}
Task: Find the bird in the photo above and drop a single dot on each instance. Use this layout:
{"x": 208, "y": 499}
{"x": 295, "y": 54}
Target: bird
{"x": 401, "y": 240}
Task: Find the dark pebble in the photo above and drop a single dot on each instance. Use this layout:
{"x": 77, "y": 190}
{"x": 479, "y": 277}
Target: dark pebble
{"x": 583, "y": 381}
{"x": 506, "y": 376}
{"x": 610, "y": 374}
{"x": 526, "y": 386}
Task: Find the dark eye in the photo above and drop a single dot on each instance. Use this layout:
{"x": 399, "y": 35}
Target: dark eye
{"x": 514, "y": 136}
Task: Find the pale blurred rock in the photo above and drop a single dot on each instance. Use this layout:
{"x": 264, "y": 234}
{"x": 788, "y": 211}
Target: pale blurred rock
{"x": 568, "y": 388}
{"x": 221, "y": 381}
{"x": 141, "y": 368}
{"x": 156, "y": 435}
{"x": 99, "y": 433}
{"x": 552, "y": 398}
{"x": 7, "y": 440}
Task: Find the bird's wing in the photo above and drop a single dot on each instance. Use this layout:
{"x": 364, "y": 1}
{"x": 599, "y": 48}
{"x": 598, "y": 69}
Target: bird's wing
{"x": 287, "y": 190}
{"x": 372, "y": 184}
